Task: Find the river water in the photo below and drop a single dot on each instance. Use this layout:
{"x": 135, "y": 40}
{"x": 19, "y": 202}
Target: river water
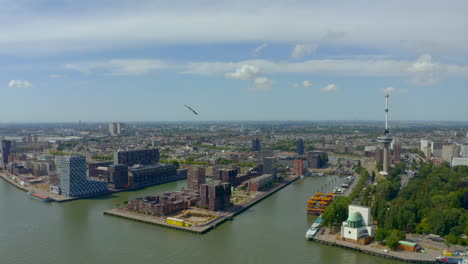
{"x": 272, "y": 231}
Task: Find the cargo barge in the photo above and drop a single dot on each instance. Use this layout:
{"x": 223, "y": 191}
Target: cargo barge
{"x": 39, "y": 196}
{"x": 318, "y": 203}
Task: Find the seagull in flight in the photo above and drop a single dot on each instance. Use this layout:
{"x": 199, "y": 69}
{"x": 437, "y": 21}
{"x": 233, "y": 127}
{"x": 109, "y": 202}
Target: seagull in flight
{"x": 190, "y": 108}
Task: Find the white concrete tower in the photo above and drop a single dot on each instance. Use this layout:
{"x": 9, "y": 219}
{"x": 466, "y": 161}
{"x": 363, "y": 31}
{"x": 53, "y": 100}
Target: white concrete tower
{"x": 385, "y": 140}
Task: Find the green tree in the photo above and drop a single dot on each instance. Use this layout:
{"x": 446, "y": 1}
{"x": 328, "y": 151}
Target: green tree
{"x": 336, "y": 212}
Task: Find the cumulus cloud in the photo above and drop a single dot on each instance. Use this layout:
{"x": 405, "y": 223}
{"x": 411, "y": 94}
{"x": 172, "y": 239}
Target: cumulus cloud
{"x": 306, "y": 83}
{"x": 245, "y": 72}
{"x": 330, "y": 88}
{"x": 301, "y": 50}
{"x": 425, "y": 71}
{"x": 259, "y": 49}
{"x": 389, "y": 90}
{"x": 19, "y": 84}
{"x": 120, "y": 66}
{"x": 261, "y": 84}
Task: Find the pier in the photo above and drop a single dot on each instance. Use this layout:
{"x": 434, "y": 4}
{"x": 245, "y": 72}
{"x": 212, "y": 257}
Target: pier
{"x": 229, "y": 215}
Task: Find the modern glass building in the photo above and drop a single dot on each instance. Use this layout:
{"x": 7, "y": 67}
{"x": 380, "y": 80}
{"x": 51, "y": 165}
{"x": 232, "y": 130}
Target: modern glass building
{"x": 73, "y": 179}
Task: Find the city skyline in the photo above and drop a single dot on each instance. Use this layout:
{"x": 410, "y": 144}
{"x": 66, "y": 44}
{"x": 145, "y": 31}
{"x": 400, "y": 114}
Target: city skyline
{"x": 264, "y": 60}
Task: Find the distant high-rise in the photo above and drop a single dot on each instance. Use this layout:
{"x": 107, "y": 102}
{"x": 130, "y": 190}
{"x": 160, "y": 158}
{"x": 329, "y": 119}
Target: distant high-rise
{"x": 464, "y": 150}
{"x": 196, "y": 176}
{"x": 386, "y": 139}
{"x": 396, "y": 153}
{"x": 73, "y": 180}
{"x": 115, "y": 128}
{"x": 256, "y": 145}
{"x": 449, "y": 152}
{"x": 298, "y": 167}
{"x": 6, "y": 151}
{"x": 269, "y": 165}
{"x": 436, "y": 149}
{"x": 300, "y": 147}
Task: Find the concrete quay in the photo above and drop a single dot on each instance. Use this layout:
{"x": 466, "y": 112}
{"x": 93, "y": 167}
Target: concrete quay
{"x": 229, "y": 215}
{"x": 61, "y": 198}
{"x": 372, "y": 249}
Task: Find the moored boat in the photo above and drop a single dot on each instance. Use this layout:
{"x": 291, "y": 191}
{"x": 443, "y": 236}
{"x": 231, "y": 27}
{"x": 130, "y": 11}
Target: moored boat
{"x": 39, "y": 196}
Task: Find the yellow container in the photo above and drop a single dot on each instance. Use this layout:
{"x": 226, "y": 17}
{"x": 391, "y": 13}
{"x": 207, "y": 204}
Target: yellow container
{"x": 175, "y": 221}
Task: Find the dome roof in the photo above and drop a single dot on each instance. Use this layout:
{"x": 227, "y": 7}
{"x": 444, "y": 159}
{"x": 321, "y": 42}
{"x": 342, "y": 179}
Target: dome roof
{"x": 354, "y": 217}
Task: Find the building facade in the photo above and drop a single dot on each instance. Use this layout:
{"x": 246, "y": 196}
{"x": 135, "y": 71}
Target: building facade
{"x": 6, "y": 151}
{"x": 358, "y": 226}
{"x": 256, "y": 145}
{"x": 300, "y": 148}
{"x": 132, "y": 157}
{"x": 298, "y": 167}
{"x": 215, "y": 197}
{"x": 152, "y": 175}
{"x": 118, "y": 176}
{"x": 196, "y": 176}
{"x": 73, "y": 180}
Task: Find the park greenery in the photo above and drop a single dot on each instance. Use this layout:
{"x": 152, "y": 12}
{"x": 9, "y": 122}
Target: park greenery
{"x": 434, "y": 202}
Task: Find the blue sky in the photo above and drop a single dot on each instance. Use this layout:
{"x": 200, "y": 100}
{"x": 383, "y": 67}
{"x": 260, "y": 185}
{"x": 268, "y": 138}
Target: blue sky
{"x": 232, "y": 60}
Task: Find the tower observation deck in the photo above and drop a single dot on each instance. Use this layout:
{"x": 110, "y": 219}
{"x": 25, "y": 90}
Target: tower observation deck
{"x": 386, "y": 139}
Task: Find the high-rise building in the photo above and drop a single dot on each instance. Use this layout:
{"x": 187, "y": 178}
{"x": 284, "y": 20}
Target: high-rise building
{"x": 215, "y": 197}
{"x": 115, "y": 128}
{"x": 424, "y": 144}
{"x": 6, "y": 151}
{"x": 300, "y": 147}
{"x": 464, "y": 150}
{"x": 256, "y": 144}
{"x": 118, "y": 176}
{"x": 267, "y": 151}
{"x": 132, "y": 157}
{"x": 269, "y": 165}
{"x": 73, "y": 180}
{"x": 396, "y": 153}
{"x": 449, "y": 152}
{"x": 298, "y": 167}
{"x": 196, "y": 176}
{"x": 436, "y": 149}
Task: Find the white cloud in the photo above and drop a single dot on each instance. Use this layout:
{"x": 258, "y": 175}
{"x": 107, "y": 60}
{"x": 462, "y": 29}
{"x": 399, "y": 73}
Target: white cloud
{"x": 301, "y": 50}
{"x": 330, "y": 88}
{"x": 245, "y": 72}
{"x": 55, "y": 76}
{"x": 306, "y": 83}
{"x": 425, "y": 71}
{"x": 120, "y": 66}
{"x": 389, "y": 90}
{"x": 261, "y": 84}
{"x": 295, "y": 85}
{"x": 74, "y": 26}
{"x": 19, "y": 84}
{"x": 259, "y": 49}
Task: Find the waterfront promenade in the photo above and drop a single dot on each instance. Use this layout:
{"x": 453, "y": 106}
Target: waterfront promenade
{"x": 224, "y": 216}
{"x": 376, "y": 250}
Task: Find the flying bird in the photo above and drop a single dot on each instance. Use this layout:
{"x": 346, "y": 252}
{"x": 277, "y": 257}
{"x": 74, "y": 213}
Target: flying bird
{"x": 190, "y": 108}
